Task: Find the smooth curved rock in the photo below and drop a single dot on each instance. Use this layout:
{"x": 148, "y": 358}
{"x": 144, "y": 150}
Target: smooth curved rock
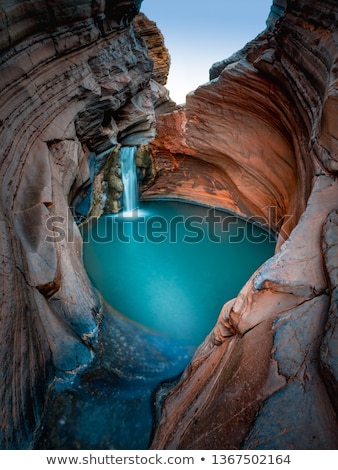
{"x": 66, "y": 68}
{"x": 260, "y": 139}
{"x": 262, "y": 134}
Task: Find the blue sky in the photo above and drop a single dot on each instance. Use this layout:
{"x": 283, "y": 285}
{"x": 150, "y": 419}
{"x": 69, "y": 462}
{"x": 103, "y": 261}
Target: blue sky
{"x": 199, "y": 33}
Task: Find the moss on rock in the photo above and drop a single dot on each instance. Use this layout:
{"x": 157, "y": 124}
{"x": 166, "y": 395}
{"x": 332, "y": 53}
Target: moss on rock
{"x": 144, "y": 163}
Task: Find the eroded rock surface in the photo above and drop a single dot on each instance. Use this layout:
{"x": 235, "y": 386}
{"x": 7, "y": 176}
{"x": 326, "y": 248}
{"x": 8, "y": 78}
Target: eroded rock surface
{"x": 75, "y": 76}
{"x": 77, "y": 79}
{"x": 262, "y": 134}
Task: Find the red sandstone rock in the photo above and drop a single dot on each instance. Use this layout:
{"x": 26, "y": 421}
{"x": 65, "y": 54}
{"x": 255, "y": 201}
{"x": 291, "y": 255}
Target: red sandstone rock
{"x": 62, "y": 78}
{"x": 266, "y": 376}
{"x": 75, "y": 78}
{"x": 156, "y": 47}
{"x": 248, "y": 147}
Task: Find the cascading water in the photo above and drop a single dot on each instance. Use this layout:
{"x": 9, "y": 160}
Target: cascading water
{"x": 168, "y": 268}
{"x": 129, "y": 179}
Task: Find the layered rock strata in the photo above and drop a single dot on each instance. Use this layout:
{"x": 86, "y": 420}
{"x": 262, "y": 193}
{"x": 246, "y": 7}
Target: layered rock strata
{"x": 263, "y": 134}
{"x": 260, "y": 139}
{"x": 76, "y": 79}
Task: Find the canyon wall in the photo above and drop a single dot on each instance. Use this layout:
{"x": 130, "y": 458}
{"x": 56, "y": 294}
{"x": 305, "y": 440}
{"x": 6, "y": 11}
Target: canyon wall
{"x": 262, "y": 134}
{"x": 77, "y": 80}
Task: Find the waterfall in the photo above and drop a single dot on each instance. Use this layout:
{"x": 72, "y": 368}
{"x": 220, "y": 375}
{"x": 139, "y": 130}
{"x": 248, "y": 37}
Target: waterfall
{"x": 129, "y": 179}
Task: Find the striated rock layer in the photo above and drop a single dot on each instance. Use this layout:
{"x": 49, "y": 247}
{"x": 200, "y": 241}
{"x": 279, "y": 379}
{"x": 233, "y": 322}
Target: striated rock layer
{"x": 76, "y": 79}
{"x": 263, "y": 134}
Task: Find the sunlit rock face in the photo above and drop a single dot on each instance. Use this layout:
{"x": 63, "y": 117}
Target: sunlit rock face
{"x": 156, "y": 48}
{"x": 76, "y": 79}
{"x": 262, "y": 134}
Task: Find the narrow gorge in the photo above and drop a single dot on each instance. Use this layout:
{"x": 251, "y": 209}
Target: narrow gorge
{"x": 80, "y": 80}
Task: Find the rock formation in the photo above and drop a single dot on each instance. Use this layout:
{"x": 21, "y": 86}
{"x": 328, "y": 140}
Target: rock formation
{"x": 76, "y": 79}
{"x": 260, "y": 139}
{"x": 261, "y": 135}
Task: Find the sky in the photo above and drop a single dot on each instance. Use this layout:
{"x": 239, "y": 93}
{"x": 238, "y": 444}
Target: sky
{"x": 199, "y": 33}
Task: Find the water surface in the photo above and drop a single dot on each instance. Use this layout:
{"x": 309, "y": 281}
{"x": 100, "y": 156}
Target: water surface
{"x": 173, "y": 267}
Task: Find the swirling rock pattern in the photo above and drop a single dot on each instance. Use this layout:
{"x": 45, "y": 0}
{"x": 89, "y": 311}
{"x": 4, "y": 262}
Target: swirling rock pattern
{"x": 77, "y": 79}
{"x": 66, "y": 69}
{"x": 263, "y": 134}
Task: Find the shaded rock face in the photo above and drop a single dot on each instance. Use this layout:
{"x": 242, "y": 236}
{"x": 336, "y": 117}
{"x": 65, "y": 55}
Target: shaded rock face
{"x": 76, "y": 78}
{"x": 260, "y": 139}
{"x": 262, "y": 134}
{"x": 70, "y": 22}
